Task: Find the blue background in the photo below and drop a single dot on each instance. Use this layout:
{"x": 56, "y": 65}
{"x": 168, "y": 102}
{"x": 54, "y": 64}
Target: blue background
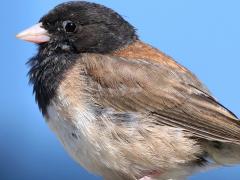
{"x": 202, "y": 35}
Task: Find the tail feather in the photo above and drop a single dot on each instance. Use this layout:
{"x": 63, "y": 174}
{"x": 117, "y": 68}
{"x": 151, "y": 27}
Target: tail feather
{"x": 223, "y": 153}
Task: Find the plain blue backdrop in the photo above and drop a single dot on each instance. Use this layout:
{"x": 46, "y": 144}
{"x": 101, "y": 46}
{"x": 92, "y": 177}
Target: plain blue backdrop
{"x": 202, "y": 35}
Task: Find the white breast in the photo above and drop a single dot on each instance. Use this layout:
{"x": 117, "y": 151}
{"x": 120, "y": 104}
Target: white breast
{"x": 99, "y": 148}
{"x": 73, "y": 134}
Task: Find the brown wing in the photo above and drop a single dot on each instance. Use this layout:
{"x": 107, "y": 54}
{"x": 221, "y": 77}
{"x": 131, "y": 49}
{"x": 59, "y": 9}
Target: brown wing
{"x": 165, "y": 94}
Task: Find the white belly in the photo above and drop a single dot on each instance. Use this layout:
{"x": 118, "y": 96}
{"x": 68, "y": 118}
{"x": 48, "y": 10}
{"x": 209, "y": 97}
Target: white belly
{"x": 74, "y": 136}
{"x": 98, "y": 149}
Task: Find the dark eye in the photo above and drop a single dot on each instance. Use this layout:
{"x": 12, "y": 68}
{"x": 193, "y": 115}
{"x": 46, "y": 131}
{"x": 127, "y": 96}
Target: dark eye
{"x": 69, "y": 26}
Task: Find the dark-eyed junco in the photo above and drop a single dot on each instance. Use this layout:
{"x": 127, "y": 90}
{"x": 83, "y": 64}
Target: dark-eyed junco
{"x": 121, "y": 108}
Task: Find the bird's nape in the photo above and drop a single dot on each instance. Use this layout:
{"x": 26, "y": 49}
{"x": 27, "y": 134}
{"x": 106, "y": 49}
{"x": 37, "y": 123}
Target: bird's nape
{"x": 120, "y": 107}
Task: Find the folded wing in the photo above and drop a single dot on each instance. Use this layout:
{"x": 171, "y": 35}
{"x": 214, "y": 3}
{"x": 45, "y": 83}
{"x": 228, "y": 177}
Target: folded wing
{"x": 163, "y": 94}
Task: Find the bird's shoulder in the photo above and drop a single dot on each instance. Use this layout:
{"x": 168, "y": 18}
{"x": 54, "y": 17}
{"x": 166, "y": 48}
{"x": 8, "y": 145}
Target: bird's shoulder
{"x": 143, "y": 80}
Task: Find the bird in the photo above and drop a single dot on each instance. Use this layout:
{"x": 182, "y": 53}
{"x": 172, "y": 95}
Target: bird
{"x": 122, "y": 108}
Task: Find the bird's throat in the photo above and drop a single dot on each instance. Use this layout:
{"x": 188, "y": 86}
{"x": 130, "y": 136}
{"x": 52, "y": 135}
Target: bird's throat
{"x": 46, "y": 73}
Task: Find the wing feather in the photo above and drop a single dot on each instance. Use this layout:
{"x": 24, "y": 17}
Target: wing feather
{"x": 166, "y": 95}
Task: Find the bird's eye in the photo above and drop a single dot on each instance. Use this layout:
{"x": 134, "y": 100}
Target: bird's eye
{"x": 69, "y": 26}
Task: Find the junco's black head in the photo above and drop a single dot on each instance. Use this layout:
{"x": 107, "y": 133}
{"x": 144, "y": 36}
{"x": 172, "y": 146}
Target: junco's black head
{"x": 81, "y": 26}
{"x": 65, "y": 32}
